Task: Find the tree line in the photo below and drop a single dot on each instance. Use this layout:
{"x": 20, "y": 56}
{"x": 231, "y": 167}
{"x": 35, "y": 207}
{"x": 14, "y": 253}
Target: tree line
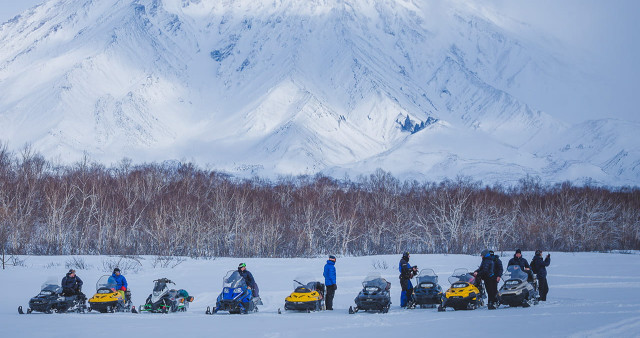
{"x": 181, "y": 209}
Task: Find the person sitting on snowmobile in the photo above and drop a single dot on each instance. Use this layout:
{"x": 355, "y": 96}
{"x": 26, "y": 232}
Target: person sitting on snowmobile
{"x": 539, "y": 267}
{"x": 524, "y": 265}
{"x": 406, "y": 273}
{"x": 248, "y": 278}
{"x": 72, "y": 284}
{"x": 486, "y": 272}
{"x": 121, "y": 282}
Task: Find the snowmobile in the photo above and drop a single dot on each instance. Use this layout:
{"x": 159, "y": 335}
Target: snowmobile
{"x": 466, "y": 292}
{"x": 108, "y": 299}
{"x": 235, "y": 297}
{"x": 50, "y": 299}
{"x": 517, "y": 290}
{"x": 306, "y": 296}
{"x": 427, "y": 291}
{"x": 375, "y": 295}
{"x": 165, "y": 300}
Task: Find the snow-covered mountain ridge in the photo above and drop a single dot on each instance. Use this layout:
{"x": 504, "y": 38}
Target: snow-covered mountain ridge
{"x": 296, "y": 87}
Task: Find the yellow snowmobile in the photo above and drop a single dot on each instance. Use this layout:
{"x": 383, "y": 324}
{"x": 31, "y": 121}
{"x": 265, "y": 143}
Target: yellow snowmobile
{"x": 108, "y": 299}
{"x": 466, "y": 292}
{"x": 306, "y": 296}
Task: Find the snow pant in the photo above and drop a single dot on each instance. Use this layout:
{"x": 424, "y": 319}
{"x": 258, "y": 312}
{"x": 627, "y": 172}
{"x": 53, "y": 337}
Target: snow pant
{"x": 328, "y": 300}
{"x": 407, "y": 291}
{"x": 543, "y": 286}
{"x": 255, "y": 290}
{"x": 491, "y": 284}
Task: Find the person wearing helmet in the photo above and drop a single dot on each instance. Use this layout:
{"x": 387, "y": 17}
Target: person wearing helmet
{"x": 486, "y": 272}
{"x": 330, "y": 281}
{"x": 539, "y": 267}
{"x": 248, "y": 278}
{"x": 406, "y": 273}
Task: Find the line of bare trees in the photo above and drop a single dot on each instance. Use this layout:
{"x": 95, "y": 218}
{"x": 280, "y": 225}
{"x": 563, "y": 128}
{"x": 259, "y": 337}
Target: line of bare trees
{"x": 180, "y": 209}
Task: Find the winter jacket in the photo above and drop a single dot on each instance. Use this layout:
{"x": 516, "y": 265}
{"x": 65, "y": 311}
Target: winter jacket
{"x": 497, "y": 266}
{"x": 486, "y": 269}
{"x": 248, "y": 278}
{"x": 330, "y": 273}
{"x": 539, "y": 266}
{"x": 120, "y": 281}
{"x": 519, "y": 261}
{"x": 73, "y": 283}
{"x": 405, "y": 269}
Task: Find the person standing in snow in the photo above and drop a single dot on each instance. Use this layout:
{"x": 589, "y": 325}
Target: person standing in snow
{"x": 539, "y": 267}
{"x": 486, "y": 272}
{"x": 248, "y": 279}
{"x": 72, "y": 284}
{"x": 406, "y": 273}
{"x": 330, "y": 281}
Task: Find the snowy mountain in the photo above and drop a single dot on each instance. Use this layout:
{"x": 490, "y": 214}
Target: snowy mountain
{"x": 419, "y": 88}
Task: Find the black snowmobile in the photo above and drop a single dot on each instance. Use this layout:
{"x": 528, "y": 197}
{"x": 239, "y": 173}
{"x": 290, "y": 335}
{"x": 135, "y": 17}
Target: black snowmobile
{"x": 375, "y": 295}
{"x": 165, "y": 300}
{"x": 50, "y": 299}
{"x": 427, "y": 291}
{"x": 519, "y": 289}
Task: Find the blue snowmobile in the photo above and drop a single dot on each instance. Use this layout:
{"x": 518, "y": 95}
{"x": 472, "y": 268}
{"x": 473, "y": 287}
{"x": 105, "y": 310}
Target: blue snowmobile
{"x": 235, "y": 297}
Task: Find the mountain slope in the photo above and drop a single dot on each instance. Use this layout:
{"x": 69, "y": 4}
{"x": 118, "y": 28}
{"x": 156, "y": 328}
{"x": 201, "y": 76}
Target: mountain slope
{"x": 287, "y": 87}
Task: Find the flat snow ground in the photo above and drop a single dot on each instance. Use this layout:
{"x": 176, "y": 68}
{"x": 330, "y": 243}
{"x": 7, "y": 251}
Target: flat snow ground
{"x": 592, "y": 294}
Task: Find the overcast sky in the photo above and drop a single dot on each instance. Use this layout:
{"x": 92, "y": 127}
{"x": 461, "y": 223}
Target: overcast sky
{"x": 603, "y": 34}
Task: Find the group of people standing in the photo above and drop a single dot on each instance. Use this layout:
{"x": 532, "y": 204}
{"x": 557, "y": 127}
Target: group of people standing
{"x": 490, "y": 271}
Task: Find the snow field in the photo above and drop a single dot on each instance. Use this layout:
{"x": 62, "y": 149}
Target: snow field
{"x": 592, "y": 294}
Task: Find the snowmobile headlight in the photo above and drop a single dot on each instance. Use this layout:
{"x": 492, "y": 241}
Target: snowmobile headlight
{"x": 237, "y": 290}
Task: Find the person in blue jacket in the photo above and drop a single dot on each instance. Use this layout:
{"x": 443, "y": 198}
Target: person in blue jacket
{"x": 406, "y": 273}
{"x": 539, "y": 267}
{"x": 330, "y": 281}
{"x": 486, "y": 272}
{"x": 118, "y": 278}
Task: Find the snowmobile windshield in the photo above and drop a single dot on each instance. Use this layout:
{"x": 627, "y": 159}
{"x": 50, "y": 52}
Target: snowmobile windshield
{"x": 427, "y": 276}
{"x": 374, "y": 279}
{"x": 461, "y": 275}
{"x": 305, "y": 281}
{"x": 50, "y": 286}
{"x": 233, "y": 279}
{"x": 106, "y": 282}
{"x": 515, "y": 272}
{"x": 160, "y": 286}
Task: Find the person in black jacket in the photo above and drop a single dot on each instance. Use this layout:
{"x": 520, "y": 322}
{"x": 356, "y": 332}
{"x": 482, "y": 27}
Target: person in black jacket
{"x": 539, "y": 267}
{"x": 72, "y": 284}
{"x": 524, "y": 265}
{"x": 248, "y": 278}
{"x": 486, "y": 272}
